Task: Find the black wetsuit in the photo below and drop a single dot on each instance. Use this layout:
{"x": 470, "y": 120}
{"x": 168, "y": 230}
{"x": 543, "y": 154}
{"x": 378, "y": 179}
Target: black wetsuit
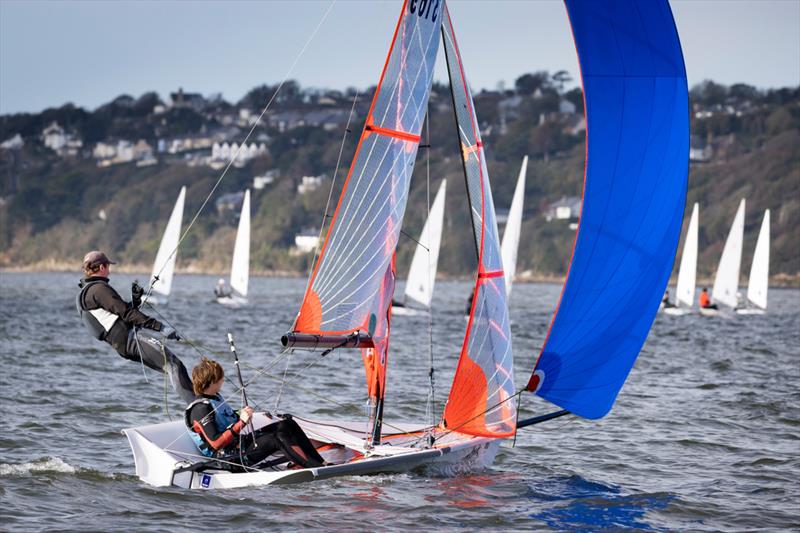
{"x": 284, "y": 436}
{"x": 124, "y": 338}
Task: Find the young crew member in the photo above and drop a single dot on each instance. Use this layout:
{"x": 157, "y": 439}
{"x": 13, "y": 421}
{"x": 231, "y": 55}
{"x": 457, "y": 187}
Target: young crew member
{"x": 216, "y": 428}
{"x": 109, "y": 318}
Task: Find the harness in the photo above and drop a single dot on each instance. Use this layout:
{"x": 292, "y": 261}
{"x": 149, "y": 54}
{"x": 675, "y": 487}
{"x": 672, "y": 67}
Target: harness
{"x": 224, "y": 417}
{"x": 97, "y": 321}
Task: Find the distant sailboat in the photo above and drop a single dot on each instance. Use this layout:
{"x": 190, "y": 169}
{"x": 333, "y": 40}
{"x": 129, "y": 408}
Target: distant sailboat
{"x": 240, "y": 266}
{"x": 510, "y": 244}
{"x": 687, "y": 272}
{"x": 726, "y": 282}
{"x": 422, "y": 274}
{"x": 164, "y": 265}
{"x": 759, "y": 273}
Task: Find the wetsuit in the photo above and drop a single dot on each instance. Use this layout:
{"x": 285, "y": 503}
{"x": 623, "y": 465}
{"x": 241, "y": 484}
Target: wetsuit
{"x": 120, "y": 321}
{"x": 209, "y": 418}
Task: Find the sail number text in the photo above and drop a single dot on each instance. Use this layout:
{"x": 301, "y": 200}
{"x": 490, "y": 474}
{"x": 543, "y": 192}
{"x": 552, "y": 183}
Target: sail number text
{"x": 425, "y": 8}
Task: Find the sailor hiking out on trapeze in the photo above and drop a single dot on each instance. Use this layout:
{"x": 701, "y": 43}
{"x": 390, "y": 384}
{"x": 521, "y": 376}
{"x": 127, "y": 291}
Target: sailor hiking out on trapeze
{"x": 109, "y": 318}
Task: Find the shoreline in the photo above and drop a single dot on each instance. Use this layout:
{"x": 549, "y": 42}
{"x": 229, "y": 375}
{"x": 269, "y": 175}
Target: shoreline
{"x": 781, "y": 280}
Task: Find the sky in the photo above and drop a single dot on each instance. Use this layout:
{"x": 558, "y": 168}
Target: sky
{"x": 89, "y": 52}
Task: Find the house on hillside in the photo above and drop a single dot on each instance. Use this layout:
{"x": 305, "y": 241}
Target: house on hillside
{"x": 700, "y": 151}
{"x": 310, "y": 183}
{"x": 13, "y": 143}
{"x": 566, "y": 208}
{"x": 306, "y": 241}
{"x": 230, "y": 202}
{"x": 61, "y": 142}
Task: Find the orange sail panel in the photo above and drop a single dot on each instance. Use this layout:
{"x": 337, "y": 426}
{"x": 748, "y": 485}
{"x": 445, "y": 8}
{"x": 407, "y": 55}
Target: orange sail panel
{"x": 346, "y": 286}
{"x": 481, "y": 398}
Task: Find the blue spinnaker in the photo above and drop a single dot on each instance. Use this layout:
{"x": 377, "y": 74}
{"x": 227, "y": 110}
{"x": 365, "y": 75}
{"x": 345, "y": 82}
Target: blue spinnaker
{"x": 637, "y": 116}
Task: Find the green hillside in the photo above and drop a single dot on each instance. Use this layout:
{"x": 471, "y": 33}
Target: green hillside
{"x": 55, "y": 207}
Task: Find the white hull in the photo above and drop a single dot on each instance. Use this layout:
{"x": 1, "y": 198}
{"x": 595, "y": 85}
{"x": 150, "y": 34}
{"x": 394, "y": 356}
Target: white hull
{"x": 409, "y": 311}
{"x": 677, "y": 311}
{"x": 750, "y": 311}
{"x": 232, "y": 301}
{"x": 161, "y": 449}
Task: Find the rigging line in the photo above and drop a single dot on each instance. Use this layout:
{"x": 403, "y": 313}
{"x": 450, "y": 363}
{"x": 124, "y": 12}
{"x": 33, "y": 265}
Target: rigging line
{"x": 430, "y": 404}
{"x": 415, "y": 240}
{"x": 247, "y": 137}
{"x": 330, "y": 192}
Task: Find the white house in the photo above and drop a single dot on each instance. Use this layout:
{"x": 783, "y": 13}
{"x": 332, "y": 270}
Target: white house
{"x": 309, "y": 183}
{"x": 13, "y": 143}
{"x": 568, "y": 207}
{"x": 306, "y": 241}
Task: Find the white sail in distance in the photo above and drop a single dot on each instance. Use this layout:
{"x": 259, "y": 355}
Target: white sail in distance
{"x": 759, "y": 271}
{"x": 164, "y": 265}
{"x": 511, "y": 234}
{"x": 422, "y": 274}
{"x": 726, "y": 283}
{"x": 687, "y": 272}
{"x": 240, "y": 267}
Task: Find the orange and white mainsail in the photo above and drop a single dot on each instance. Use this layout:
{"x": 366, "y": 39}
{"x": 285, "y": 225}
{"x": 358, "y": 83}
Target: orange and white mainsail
{"x": 481, "y": 398}
{"x": 351, "y": 287}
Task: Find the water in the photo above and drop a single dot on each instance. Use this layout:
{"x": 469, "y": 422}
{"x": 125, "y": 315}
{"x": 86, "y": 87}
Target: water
{"x": 704, "y": 436}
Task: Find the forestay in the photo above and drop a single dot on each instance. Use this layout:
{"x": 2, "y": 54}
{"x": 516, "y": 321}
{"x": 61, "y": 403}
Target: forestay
{"x": 164, "y": 265}
{"x": 636, "y": 102}
{"x": 481, "y": 398}
{"x": 240, "y": 267}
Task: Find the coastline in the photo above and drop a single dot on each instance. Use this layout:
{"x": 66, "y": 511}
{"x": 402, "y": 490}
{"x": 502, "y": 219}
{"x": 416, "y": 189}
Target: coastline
{"x": 780, "y": 280}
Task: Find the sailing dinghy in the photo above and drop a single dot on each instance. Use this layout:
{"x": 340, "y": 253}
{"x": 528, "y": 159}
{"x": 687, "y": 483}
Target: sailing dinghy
{"x": 164, "y": 265}
{"x": 758, "y": 283}
{"x": 687, "y": 272}
{"x": 637, "y": 151}
{"x": 240, "y": 266}
{"x": 511, "y": 234}
{"x": 422, "y": 274}
{"x": 726, "y": 282}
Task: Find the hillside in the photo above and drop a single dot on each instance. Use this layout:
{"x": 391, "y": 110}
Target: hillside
{"x": 59, "y": 202}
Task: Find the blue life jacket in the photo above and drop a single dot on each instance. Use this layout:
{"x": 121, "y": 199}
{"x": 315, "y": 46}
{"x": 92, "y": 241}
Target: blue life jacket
{"x": 224, "y": 417}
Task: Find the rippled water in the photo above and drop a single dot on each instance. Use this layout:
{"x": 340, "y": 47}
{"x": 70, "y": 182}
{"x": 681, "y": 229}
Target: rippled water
{"x": 705, "y": 435}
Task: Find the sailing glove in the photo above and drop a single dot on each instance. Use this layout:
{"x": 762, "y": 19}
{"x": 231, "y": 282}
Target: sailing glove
{"x": 170, "y": 333}
{"x": 137, "y": 291}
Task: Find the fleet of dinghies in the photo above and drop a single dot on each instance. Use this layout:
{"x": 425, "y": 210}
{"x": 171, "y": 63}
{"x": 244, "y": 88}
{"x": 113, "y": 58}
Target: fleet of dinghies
{"x": 636, "y": 103}
{"x": 725, "y": 290}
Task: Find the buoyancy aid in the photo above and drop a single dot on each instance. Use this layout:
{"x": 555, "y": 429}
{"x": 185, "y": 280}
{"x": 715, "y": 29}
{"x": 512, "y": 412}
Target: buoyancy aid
{"x": 705, "y": 301}
{"x": 224, "y": 418}
{"x": 97, "y": 321}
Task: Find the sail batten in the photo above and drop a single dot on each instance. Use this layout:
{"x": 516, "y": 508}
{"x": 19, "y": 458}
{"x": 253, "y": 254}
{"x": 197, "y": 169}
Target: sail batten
{"x": 636, "y": 103}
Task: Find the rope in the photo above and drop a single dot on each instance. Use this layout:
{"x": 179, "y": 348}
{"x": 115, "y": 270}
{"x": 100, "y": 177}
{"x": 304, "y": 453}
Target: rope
{"x": 430, "y": 405}
{"x": 242, "y": 145}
